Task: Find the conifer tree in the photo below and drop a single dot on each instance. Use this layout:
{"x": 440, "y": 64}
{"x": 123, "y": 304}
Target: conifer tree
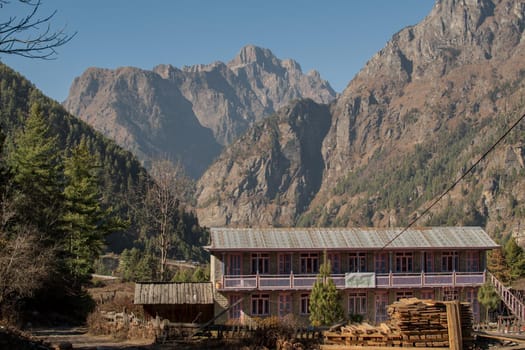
{"x": 497, "y": 265}
{"x": 85, "y": 222}
{"x": 35, "y": 161}
{"x": 515, "y": 258}
{"x": 488, "y": 297}
{"x": 325, "y": 300}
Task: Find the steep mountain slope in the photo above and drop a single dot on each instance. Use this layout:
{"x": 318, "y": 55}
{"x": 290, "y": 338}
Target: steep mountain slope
{"x": 269, "y": 175}
{"x": 121, "y": 174}
{"x": 417, "y": 115}
{"x": 188, "y": 114}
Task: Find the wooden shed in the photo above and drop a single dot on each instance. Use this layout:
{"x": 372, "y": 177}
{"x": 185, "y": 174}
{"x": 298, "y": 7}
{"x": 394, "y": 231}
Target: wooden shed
{"x": 177, "y": 302}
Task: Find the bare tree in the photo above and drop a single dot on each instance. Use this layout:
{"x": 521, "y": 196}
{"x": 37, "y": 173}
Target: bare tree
{"x": 30, "y": 35}
{"x": 162, "y": 202}
{"x": 24, "y": 264}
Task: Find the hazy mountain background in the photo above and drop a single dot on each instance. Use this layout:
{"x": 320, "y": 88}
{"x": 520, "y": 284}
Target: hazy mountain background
{"x": 189, "y": 114}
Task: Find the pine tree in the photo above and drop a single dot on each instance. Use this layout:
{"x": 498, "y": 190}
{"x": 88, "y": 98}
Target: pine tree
{"x": 85, "y": 223}
{"x": 515, "y": 258}
{"x": 35, "y": 161}
{"x": 325, "y": 300}
{"x": 488, "y": 297}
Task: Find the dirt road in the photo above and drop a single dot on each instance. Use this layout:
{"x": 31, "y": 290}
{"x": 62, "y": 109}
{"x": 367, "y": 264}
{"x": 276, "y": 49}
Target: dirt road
{"x": 80, "y": 339}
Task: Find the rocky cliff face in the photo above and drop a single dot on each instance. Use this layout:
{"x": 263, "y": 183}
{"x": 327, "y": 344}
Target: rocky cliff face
{"x": 420, "y": 112}
{"x": 270, "y": 174}
{"x": 189, "y": 114}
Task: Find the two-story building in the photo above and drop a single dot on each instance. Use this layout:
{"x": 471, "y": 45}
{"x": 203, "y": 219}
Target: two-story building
{"x": 271, "y": 271}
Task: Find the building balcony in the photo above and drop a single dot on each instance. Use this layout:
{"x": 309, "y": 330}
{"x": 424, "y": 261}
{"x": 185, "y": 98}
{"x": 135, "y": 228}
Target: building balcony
{"x": 351, "y": 281}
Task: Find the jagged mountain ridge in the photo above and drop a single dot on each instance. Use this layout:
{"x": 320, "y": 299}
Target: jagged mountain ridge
{"x": 419, "y": 113}
{"x": 188, "y": 114}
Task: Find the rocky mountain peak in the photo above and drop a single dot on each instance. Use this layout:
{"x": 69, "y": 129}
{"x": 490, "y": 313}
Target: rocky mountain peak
{"x": 142, "y": 109}
{"x": 253, "y": 54}
{"x": 166, "y": 71}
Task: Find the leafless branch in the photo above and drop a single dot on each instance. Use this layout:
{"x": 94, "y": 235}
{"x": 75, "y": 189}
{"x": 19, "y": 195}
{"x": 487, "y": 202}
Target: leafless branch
{"x": 31, "y": 36}
{"x": 24, "y": 264}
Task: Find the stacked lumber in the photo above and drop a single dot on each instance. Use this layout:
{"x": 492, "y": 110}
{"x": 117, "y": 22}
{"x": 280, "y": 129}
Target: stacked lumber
{"x": 364, "y": 334}
{"x": 421, "y": 323}
{"x": 413, "y": 323}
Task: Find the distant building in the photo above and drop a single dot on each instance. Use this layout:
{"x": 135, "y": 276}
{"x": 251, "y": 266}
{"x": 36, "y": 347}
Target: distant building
{"x": 177, "y": 302}
{"x": 272, "y": 270}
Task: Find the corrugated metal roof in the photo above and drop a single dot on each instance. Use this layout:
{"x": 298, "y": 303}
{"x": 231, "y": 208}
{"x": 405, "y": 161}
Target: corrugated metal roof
{"x": 348, "y": 238}
{"x": 173, "y": 293}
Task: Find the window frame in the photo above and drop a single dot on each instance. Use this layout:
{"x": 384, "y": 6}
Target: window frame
{"x": 357, "y": 262}
{"x": 357, "y": 302}
{"x": 381, "y": 263}
{"x": 403, "y": 294}
{"x": 449, "y": 261}
{"x": 234, "y": 313}
{"x": 260, "y": 263}
{"x": 335, "y": 262}
{"x": 284, "y": 304}
{"x": 284, "y": 262}
{"x": 309, "y": 263}
{"x": 404, "y": 262}
{"x": 260, "y": 304}
{"x": 305, "y": 304}
{"x": 234, "y": 264}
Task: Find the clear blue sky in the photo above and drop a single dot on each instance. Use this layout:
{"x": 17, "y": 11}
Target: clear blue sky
{"x": 335, "y": 37}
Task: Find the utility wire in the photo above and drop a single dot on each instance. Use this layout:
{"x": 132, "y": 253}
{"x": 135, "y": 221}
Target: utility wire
{"x": 411, "y": 223}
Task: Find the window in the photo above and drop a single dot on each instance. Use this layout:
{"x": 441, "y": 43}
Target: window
{"x": 404, "y": 262}
{"x": 309, "y": 263}
{"x": 234, "y": 264}
{"x": 472, "y": 261}
{"x": 235, "y": 312}
{"x": 285, "y": 304}
{"x": 285, "y": 263}
{"x": 404, "y": 294}
{"x": 260, "y": 304}
{"x": 357, "y": 303}
{"x": 427, "y": 294}
{"x": 449, "y": 261}
{"x": 450, "y": 294}
{"x": 381, "y": 307}
{"x": 357, "y": 262}
{"x": 382, "y": 263}
{"x": 335, "y": 262}
{"x": 429, "y": 262}
{"x": 260, "y": 263}
{"x": 305, "y": 304}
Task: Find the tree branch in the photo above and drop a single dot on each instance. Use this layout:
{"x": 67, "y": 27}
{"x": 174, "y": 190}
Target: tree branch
{"x": 23, "y": 36}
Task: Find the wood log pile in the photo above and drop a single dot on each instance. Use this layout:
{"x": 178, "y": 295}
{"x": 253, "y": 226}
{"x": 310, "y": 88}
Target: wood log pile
{"x": 413, "y": 323}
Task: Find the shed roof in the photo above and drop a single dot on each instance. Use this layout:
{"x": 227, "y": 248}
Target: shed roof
{"x": 268, "y": 239}
{"x": 173, "y": 293}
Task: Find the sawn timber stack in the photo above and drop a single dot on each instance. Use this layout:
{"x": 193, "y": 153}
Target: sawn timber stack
{"x": 413, "y": 323}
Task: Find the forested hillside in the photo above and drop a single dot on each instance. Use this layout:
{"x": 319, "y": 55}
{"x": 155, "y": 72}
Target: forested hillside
{"x": 68, "y": 195}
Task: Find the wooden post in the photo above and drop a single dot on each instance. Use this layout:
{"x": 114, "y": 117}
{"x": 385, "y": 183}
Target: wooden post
{"x": 455, "y": 338}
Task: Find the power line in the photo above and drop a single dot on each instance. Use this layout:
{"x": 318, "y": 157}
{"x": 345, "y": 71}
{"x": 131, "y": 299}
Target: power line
{"x": 411, "y": 223}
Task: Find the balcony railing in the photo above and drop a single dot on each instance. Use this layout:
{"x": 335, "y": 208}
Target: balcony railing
{"x": 389, "y": 280}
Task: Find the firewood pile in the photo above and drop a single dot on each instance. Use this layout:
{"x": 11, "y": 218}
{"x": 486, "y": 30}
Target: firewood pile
{"x": 413, "y": 323}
